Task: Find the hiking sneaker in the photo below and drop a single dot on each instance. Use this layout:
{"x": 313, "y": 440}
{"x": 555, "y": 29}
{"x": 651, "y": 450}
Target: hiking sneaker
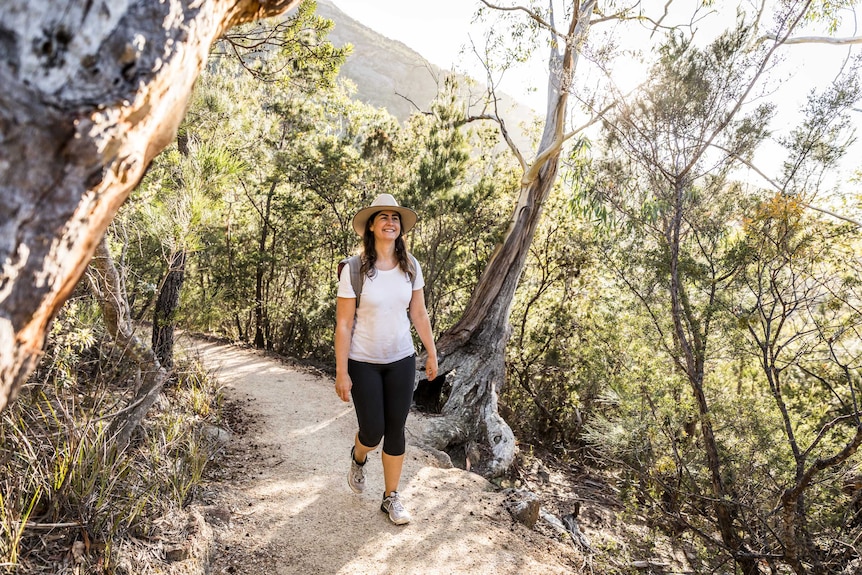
{"x": 356, "y": 475}
{"x": 393, "y": 506}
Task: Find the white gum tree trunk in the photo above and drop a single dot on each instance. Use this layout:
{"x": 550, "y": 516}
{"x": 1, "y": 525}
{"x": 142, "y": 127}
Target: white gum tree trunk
{"x": 473, "y": 351}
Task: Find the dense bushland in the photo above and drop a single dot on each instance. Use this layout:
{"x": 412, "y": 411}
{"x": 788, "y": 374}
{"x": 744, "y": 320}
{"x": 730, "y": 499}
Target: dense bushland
{"x": 693, "y": 334}
{"x": 65, "y": 485}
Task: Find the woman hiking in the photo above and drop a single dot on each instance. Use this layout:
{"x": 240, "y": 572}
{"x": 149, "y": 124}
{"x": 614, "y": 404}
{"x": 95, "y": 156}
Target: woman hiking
{"x": 374, "y": 352}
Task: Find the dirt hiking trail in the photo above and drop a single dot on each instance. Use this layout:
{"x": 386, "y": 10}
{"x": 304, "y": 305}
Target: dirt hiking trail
{"x": 280, "y": 504}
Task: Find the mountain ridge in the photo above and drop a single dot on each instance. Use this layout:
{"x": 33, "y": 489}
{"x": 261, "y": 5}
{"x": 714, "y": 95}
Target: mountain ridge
{"x": 391, "y": 75}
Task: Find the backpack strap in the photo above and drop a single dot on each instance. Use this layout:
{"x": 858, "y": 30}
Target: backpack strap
{"x": 355, "y": 279}
{"x": 413, "y": 281}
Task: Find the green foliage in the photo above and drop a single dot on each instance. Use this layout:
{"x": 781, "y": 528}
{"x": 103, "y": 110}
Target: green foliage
{"x": 824, "y": 135}
{"x": 462, "y": 199}
{"x": 635, "y": 326}
{"x": 829, "y": 12}
{"x": 567, "y": 346}
{"x": 443, "y": 153}
{"x": 290, "y": 51}
{"x": 275, "y": 221}
{"x": 733, "y": 287}
{"x": 60, "y": 467}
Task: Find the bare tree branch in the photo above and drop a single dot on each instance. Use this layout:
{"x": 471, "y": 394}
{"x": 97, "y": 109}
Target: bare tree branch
{"x": 817, "y": 40}
{"x": 761, "y": 68}
{"x": 105, "y": 281}
{"x": 504, "y": 132}
{"x": 412, "y": 103}
{"x": 533, "y": 16}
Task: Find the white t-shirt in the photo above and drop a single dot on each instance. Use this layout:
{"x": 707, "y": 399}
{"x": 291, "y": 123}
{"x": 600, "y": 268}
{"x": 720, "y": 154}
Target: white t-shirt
{"x": 381, "y": 332}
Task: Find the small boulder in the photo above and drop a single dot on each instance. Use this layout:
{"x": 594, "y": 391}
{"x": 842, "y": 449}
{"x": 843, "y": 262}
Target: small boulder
{"x": 524, "y": 506}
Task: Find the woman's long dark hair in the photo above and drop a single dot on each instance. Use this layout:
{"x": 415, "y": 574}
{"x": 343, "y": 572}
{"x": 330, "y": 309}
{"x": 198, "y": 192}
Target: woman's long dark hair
{"x": 369, "y": 253}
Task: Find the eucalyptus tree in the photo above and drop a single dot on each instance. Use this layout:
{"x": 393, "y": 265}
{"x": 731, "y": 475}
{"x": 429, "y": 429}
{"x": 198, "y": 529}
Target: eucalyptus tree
{"x": 799, "y": 306}
{"x": 89, "y": 97}
{"x": 470, "y": 415}
{"x": 460, "y": 185}
{"x": 664, "y": 189}
{"x": 473, "y": 350}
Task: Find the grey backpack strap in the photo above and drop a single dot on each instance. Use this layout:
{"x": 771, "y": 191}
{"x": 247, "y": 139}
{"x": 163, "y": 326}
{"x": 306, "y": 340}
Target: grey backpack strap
{"x": 355, "y": 280}
{"x": 355, "y": 277}
{"x": 413, "y": 281}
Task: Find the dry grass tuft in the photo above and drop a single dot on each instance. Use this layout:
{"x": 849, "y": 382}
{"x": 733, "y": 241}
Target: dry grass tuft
{"x": 69, "y": 502}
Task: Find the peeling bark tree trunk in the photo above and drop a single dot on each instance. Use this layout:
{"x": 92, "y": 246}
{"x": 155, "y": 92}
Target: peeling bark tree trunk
{"x": 107, "y": 286}
{"x": 473, "y": 351}
{"x": 91, "y": 92}
{"x": 164, "y": 316}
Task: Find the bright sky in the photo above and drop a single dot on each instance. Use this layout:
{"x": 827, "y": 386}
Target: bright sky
{"x": 441, "y": 33}
{"x": 437, "y": 32}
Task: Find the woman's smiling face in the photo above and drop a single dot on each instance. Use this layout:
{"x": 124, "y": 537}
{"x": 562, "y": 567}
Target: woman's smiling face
{"x": 386, "y": 225}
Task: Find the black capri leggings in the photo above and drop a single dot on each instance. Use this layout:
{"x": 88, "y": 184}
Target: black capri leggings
{"x": 382, "y": 394}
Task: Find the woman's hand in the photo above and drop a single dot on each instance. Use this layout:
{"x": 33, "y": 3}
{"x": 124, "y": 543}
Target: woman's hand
{"x": 431, "y": 367}
{"x": 343, "y": 384}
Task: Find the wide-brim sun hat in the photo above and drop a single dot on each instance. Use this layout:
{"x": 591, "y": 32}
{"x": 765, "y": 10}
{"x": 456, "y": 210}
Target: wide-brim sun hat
{"x": 381, "y": 203}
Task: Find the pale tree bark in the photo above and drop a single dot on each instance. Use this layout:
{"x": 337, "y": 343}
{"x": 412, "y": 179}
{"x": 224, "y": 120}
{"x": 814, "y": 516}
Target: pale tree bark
{"x": 472, "y": 352}
{"x": 106, "y": 284}
{"x": 90, "y": 93}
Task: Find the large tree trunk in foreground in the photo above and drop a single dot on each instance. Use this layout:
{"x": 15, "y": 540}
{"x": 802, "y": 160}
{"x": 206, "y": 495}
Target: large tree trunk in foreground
{"x": 90, "y": 93}
{"x": 473, "y": 351}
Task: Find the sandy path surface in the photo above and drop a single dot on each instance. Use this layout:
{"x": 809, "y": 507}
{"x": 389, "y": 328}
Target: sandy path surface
{"x": 285, "y": 507}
